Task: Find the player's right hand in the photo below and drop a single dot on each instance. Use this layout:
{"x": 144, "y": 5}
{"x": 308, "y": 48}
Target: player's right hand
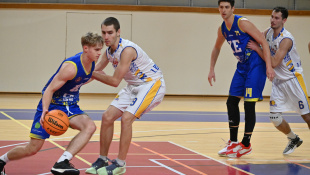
{"x": 42, "y": 117}
{"x": 210, "y": 77}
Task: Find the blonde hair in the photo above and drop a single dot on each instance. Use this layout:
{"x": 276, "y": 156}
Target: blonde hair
{"x": 91, "y": 39}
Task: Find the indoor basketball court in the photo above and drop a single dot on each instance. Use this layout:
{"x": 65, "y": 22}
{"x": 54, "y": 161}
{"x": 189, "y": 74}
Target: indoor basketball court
{"x": 164, "y": 142}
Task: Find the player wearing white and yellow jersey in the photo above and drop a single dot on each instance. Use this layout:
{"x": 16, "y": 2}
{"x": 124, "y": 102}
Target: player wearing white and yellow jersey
{"x": 289, "y": 92}
{"x": 145, "y": 90}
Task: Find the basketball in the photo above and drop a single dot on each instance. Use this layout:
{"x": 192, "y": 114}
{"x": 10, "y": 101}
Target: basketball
{"x": 56, "y": 122}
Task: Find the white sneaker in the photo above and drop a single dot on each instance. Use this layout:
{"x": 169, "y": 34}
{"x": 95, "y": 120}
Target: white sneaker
{"x": 229, "y": 145}
{"x": 292, "y": 145}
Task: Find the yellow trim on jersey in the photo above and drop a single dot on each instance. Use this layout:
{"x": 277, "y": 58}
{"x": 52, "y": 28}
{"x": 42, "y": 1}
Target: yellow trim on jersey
{"x": 252, "y": 99}
{"x": 288, "y": 63}
{"x": 238, "y": 24}
{"x": 148, "y": 98}
{"x": 35, "y": 136}
{"x": 74, "y": 66}
{"x": 301, "y": 81}
{"x": 87, "y": 73}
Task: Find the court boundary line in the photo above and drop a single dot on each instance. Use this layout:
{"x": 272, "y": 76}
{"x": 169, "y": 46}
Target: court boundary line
{"x": 161, "y": 155}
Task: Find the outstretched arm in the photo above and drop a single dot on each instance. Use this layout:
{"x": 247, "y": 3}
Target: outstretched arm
{"x": 127, "y": 56}
{"x": 214, "y": 55}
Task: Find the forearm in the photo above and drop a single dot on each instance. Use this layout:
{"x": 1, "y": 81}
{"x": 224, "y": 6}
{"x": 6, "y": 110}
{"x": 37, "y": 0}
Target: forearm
{"x": 46, "y": 100}
{"x": 266, "y": 56}
{"x": 214, "y": 56}
{"x": 106, "y": 79}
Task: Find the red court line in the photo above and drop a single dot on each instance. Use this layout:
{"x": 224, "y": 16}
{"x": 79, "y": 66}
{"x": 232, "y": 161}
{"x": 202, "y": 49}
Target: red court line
{"x": 297, "y": 163}
{"x": 138, "y": 160}
{"x": 166, "y": 157}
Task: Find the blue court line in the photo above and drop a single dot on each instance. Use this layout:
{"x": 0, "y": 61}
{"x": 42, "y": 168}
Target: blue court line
{"x": 181, "y": 116}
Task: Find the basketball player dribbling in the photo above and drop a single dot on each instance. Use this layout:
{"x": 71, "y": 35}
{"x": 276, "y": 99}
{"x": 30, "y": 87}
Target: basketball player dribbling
{"x": 62, "y": 92}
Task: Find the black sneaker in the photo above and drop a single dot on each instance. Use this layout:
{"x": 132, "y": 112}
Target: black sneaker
{"x": 96, "y": 165}
{"x": 64, "y": 168}
{"x": 292, "y": 145}
{"x": 2, "y": 164}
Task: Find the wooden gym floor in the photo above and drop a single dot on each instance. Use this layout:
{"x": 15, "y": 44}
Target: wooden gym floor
{"x": 196, "y": 126}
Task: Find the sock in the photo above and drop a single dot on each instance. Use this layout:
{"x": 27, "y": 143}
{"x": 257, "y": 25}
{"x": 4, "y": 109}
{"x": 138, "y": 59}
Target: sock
{"x": 65, "y": 155}
{"x": 103, "y": 157}
{"x": 5, "y": 158}
{"x": 233, "y": 134}
{"x": 246, "y": 140}
{"x": 120, "y": 162}
{"x": 291, "y": 135}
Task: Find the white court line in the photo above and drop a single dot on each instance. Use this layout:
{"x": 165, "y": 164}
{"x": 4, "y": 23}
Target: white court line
{"x": 167, "y": 167}
{"x": 13, "y": 145}
{"x": 126, "y": 167}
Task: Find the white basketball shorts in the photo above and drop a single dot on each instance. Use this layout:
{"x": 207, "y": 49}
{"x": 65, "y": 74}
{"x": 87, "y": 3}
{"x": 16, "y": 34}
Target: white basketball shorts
{"x": 289, "y": 95}
{"x": 140, "y": 99}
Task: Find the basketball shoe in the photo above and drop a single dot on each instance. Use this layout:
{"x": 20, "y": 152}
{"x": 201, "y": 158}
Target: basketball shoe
{"x": 229, "y": 145}
{"x": 64, "y": 168}
{"x": 292, "y": 145}
{"x": 2, "y": 164}
{"x": 239, "y": 151}
{"x": 96, "y": 165}
{"x": 113, "y": 169}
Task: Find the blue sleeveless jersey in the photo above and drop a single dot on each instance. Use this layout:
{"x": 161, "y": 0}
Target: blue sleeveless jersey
{"x": 68, "y": 94}
{"x": 237, "y": 39}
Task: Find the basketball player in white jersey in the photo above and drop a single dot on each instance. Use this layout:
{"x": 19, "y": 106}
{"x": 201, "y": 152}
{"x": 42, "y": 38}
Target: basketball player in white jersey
{"x": 289, "y": 91}
{"x": 145, "y": 90}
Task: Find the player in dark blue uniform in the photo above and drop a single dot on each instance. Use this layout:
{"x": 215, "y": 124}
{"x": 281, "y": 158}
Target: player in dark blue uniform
{"x": 62, "y": 92}
{"x": 249, "y": 78}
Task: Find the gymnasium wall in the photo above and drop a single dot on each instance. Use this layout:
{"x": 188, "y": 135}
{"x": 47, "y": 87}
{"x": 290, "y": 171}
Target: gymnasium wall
{"x": 35, "y": 41}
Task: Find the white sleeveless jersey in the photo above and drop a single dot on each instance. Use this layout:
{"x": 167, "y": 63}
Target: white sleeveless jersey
{"x": 291, "y": 62}
{"x": 141, "y": 70}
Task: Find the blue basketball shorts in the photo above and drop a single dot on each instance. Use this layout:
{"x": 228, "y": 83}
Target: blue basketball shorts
{"x": 249, "y": 79}
{"x": 38, "y": 132}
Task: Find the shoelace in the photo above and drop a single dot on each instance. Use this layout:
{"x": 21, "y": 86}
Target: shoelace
{"x": 71, "y": 165}
{"x": 98, "y": 161}
{"x": 226, "y": 143}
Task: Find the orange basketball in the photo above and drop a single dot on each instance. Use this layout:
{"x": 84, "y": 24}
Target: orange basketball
{"x": 56, "y": 122}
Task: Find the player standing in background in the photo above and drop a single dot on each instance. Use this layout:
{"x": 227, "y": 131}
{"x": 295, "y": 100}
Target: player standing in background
{"x": 145, "y": 90}
{"x": 62, "y": 92}
{"x": 289, "y": 91}
{"x": 249, "y": 78}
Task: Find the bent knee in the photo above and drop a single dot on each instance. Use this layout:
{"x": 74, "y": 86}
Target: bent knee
{"x": 276, "y": 119}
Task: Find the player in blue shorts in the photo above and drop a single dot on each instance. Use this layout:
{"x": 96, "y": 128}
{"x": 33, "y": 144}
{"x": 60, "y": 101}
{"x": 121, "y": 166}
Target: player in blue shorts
{"x": 249, "y": 78}
{"x": 62, "y": 92}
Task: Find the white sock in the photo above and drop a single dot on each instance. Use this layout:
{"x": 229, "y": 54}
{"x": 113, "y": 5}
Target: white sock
{"x": 5, "y": 158}
{"x": 120, "y": 162}
{"x": 291, "y": 135}
{"x": 65, "y": 155}
{"x": 103, "y": 157}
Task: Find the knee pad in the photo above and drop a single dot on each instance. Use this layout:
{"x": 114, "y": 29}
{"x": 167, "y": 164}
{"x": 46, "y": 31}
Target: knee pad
{"x": 276, "y": 119}
{"x": 233, "y": 110}
{"x": 250, "y": 116}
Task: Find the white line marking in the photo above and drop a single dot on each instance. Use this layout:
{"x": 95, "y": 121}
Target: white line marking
{"x": 171, "y": 169}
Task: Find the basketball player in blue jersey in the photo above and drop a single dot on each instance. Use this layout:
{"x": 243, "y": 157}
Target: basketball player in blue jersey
{"x": 289, "y": 90}
{"x": 145, "y": 90}
{"x": 62, "y": 92}
{"x": 249, "y": 78}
